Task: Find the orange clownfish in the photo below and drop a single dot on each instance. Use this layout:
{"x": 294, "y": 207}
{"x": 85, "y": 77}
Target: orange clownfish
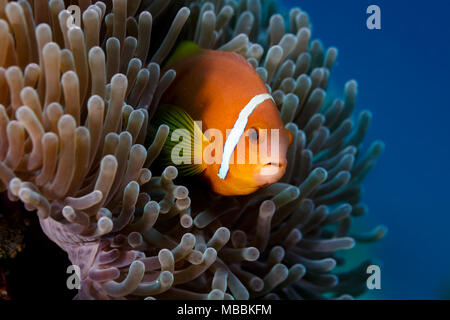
{"x": 220, "y": 99}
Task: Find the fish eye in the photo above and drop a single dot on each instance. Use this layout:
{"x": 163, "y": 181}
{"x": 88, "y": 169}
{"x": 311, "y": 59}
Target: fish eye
{"x": 253, "y": 134}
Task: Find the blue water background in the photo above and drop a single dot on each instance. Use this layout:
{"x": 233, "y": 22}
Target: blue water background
{"x": 403, "y": 75}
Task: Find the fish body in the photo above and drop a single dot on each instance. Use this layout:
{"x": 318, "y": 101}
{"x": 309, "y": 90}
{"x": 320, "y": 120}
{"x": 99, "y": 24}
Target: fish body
{"x": 224, "y": 92}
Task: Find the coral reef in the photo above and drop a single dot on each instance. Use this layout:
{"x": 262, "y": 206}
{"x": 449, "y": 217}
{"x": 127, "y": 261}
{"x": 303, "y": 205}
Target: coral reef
{"x": 13, "y": 223}
{"x": 75, "y": 106}
{"x": 11, "y": 239}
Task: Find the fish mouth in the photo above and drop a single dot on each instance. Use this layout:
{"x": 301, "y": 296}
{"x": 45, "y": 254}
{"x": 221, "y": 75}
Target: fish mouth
{"x": 275, "y": 164}
{"x": 271, "y": 172}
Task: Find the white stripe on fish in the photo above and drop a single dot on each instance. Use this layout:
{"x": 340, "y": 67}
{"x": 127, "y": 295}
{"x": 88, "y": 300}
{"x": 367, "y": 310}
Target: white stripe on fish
{"x": 238, "y": 131}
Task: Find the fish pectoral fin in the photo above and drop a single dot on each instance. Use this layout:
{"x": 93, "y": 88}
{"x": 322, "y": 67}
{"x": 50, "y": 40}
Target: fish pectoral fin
{"x": 184, "y": 145}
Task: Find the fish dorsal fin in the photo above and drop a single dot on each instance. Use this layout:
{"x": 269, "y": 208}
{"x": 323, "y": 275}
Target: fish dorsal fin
{"x": 183, "y": 50}
{"x": 184, "y": 136}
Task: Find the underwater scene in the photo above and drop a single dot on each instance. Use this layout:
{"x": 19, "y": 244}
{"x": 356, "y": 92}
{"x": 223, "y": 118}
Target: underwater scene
{"x": 224, "y": 150}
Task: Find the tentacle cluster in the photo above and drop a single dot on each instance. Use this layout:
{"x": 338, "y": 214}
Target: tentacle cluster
{"x": 75, "y": 106}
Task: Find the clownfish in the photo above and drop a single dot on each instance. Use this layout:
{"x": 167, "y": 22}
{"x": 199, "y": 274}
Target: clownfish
{"x": 222, "y": 102}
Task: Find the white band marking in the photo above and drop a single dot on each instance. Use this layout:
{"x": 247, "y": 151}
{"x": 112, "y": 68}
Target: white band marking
{"x": 238, "y": 130}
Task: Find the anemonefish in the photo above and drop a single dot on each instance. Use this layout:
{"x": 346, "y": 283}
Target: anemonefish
{"x": 222, "y": 91}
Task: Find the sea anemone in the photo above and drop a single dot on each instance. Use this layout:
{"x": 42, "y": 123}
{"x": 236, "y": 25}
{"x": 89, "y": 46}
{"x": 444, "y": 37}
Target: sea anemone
{"x": 74, "y": 146}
